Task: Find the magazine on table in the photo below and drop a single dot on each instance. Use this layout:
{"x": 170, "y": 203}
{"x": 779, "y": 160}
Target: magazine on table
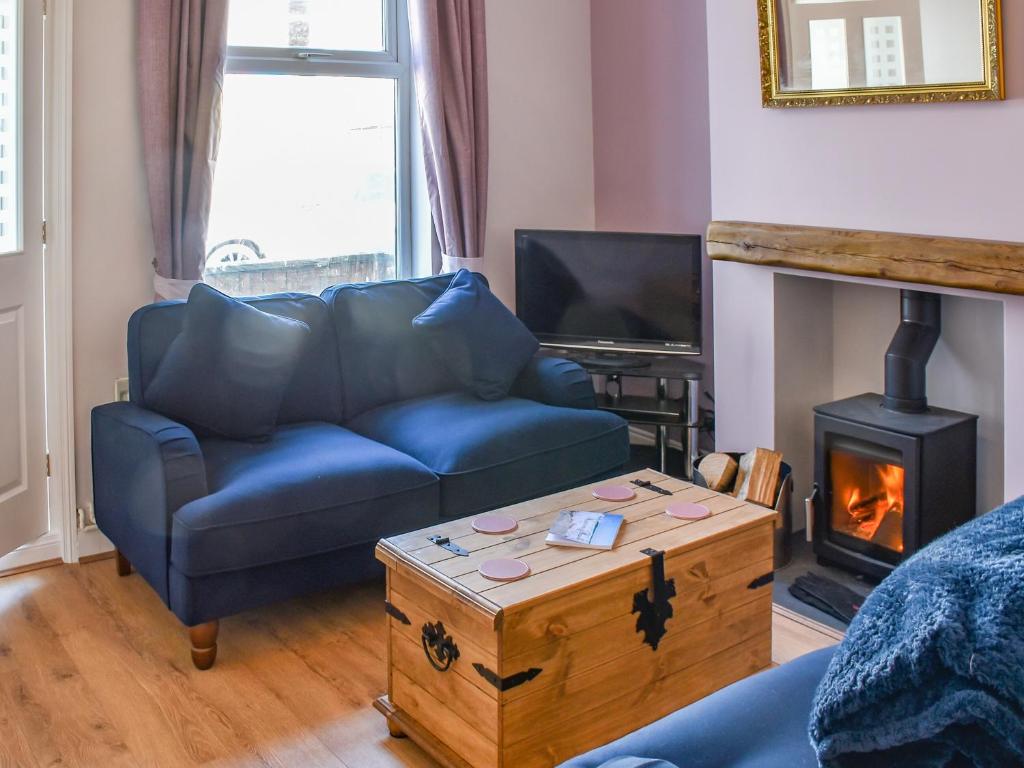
{"x": 592, "y": 530}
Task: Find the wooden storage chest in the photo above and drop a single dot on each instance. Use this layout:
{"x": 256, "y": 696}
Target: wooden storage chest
{"x": 530, "y": 673}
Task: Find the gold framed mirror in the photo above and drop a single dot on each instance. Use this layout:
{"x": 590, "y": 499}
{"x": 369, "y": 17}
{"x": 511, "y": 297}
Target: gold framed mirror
{"x": 833, "y": 52}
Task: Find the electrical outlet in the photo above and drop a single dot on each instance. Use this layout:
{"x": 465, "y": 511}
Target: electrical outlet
{"x": 121, "y": 390}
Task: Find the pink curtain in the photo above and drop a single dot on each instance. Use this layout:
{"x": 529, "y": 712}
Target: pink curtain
{"x": 182, "y": 48}
{"x": 449, "y": 53}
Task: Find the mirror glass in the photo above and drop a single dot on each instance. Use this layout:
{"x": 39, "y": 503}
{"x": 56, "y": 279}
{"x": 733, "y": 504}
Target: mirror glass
{"x": 828, "y": 45}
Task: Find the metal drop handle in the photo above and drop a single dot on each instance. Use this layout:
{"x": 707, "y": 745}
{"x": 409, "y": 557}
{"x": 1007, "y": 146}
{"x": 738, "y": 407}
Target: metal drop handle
{"x": 439, "y": 647}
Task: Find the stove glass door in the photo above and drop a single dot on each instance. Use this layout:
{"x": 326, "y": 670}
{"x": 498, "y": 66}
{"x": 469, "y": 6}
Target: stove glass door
{"x": 867, "y": 495}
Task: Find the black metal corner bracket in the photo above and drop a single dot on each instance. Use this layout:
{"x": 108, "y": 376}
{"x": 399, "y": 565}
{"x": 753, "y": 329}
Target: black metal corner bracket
{"x": 394, "y": 613}
{"x": 654, "y": 608}
{"x": 505, "y": 683}
{"x": 762, "y": 581}
{"x": 651, "y": 487}
{"x": 451, "y": 546}
{"x": 439, "y": 647}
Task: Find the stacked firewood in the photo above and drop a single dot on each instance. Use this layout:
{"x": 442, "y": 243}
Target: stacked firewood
{"x": 754, "y": 478}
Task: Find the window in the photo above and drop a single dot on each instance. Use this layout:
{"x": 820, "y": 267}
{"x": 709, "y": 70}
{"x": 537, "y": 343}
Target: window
{"x": 830, "y": 67}
{"x": 10, "y": 128}
{"x": 883, "y": 48}
{"x": 312, "y": 182}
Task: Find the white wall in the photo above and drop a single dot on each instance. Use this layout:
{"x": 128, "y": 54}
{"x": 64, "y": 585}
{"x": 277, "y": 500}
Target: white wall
{"x": 541, "y": 126}
{"x": 112, "y": 244}
{"x": 804, "y": 364}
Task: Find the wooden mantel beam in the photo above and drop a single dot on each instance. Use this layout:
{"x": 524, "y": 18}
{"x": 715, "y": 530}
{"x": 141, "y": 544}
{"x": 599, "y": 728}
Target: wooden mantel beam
{"x": 980, "y": 265}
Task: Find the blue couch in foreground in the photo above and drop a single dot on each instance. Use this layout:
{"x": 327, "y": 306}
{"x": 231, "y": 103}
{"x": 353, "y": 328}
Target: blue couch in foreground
{"x": 759, "y": 722}
{"x": 374, "y": 438}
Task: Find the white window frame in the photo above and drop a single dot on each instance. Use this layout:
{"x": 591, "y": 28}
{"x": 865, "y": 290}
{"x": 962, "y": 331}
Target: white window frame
{"x": 393, "y": 63}
{"x": 13, "y": 192}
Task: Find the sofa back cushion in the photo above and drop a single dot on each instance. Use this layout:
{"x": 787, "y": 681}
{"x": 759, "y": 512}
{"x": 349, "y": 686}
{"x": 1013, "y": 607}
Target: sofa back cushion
{"x": 385, "y": 359}
{"x": 245, "y": 358}
{"x": 484, "y": 345}
{"x": 314, "y": 393}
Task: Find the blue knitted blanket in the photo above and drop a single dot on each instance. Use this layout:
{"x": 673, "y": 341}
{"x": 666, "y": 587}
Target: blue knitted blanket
{"x": 932, "y": 669}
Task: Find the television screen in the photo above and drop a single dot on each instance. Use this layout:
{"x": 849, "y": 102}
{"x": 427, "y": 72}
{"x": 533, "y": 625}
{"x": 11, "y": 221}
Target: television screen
{"x": 604, "y": 290}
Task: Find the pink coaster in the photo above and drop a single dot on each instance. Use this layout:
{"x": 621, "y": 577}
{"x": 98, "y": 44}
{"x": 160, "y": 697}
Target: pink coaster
{"x": 504, "y": 569}
{"x": 495, "y": 524}
{"x": 614, "y": 493}
{"x": 685, "y": 510}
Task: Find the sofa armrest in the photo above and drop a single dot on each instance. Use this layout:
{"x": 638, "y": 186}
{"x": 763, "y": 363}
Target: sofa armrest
{"x": 145, "y": 467}
{"x": 555, "y": 381}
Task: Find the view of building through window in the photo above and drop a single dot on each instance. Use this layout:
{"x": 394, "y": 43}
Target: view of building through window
{"x": 305, "y": 191}
{"x": 341, "y": 25}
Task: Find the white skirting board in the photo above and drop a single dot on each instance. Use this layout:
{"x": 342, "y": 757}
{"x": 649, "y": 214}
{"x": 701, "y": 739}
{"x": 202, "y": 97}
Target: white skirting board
{"x": 46, "y": 547}
{"x": 92, "y": 542}
{"x": 640, "y": 436}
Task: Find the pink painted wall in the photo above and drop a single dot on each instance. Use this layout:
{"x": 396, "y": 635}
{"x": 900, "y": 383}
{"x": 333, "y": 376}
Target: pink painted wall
{"x": 652, "y": 167}
{"x": 942, "y": 169}
{"x": 945, "y": 169}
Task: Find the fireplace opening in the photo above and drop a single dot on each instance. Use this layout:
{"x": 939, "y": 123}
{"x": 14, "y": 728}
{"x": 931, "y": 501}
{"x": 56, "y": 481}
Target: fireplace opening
{"x": 892, "y": 473}
{"x": 867, "y": 498}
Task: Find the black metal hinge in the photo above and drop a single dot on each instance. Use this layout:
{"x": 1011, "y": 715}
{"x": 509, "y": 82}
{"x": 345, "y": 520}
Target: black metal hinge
{"x": 506, "y": 683}
{"x": 762, "y": 581}
{"x": 394, "y": 613}
{"x": 654, "y": 609}
{"x": 651, "y": 487}
{"x": 446, "y": 543}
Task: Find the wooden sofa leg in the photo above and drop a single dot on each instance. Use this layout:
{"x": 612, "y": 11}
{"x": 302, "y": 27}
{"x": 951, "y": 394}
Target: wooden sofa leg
{"x": 124, "y": 568}
{"x": 204, "y": 644}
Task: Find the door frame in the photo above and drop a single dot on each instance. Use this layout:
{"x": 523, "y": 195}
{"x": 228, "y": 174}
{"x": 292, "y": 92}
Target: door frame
{"x": 61, "y": 541}
{"x": 60, "y": 410}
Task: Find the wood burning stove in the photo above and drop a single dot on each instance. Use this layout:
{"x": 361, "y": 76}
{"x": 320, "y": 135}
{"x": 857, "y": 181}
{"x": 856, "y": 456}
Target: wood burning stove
{"x": 891, "y": 473}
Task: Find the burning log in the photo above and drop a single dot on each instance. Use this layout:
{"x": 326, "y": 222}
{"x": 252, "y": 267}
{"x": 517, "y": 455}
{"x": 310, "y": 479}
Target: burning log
{"x": 865, "y": 509}
{"x": 889, "y": 532}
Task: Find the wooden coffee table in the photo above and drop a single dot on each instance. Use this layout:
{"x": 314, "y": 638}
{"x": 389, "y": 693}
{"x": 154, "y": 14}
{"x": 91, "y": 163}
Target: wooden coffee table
{"x": 592, "y": 645}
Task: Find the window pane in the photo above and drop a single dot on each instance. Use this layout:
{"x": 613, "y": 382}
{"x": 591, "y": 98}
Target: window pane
{"x": 353, "y": 25}
{"x": 304, "y": 192}
{"x": 10, "y": 76}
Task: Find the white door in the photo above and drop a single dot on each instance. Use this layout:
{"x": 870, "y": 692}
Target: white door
{"x": 23, "y": 504}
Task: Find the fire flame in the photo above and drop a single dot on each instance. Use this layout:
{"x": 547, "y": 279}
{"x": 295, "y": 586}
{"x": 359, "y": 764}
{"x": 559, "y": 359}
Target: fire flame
{"x": 876, "y": 513}
{"x": 892, "y": 481}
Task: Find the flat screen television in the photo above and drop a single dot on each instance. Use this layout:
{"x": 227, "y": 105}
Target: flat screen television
{"x": 614, "y": 292}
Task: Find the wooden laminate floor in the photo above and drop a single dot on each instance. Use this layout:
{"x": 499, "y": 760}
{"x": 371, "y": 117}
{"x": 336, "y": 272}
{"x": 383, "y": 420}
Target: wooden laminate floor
{"x": 94, "y": 671}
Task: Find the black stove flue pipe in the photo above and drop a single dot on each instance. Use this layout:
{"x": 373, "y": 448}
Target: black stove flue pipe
{"x": 909, "y": 351}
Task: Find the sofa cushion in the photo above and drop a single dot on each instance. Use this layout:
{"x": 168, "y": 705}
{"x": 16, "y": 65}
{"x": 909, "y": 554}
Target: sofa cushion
{"x": 759, "y": 722}
{"x": 483, "y": 344}
{"x": 314, "y": 392}
{"x": 492, "y": 453}
{"x": 227, "y": 371}
{"x": 310, "y": 489}
{"x": 385, "y": 358}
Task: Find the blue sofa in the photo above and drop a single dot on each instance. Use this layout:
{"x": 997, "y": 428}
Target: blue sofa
{"x": 759, "y": 722}
{"x": 374, "y": 438}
